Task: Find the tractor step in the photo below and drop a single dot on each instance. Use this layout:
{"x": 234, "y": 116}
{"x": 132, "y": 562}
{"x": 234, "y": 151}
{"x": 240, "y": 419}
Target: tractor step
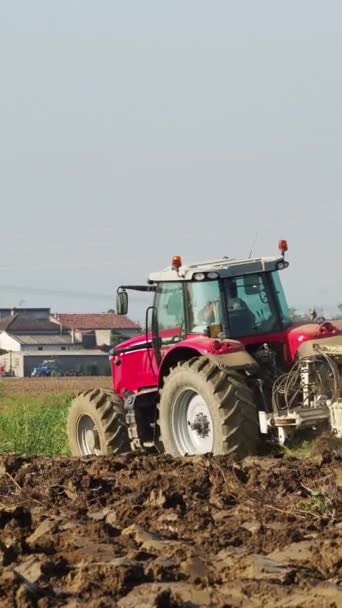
{"x": 336, "y": 417}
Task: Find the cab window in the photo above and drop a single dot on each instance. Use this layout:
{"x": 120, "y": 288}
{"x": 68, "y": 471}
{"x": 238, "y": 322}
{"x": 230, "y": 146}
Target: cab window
{"x": 169, "y": 303}
{"x": 205, "y": 305}
{"x": 251, "y": 309}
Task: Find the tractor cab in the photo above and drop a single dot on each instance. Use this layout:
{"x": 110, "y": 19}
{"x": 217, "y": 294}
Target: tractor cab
{"x": 220, "y": 304}
{"x": 226, "y": 299}
{"x": 213, "y": 308}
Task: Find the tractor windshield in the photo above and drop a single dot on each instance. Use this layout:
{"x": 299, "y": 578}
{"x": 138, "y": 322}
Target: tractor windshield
{"x": 253, "y": 304}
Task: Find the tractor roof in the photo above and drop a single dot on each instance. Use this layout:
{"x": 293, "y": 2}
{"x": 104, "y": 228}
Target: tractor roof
{"x": 223, "y": 267}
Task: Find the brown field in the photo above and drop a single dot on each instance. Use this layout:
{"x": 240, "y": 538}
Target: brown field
{"x": 154, "y": 532}
{"x": 149, "y": 531}
{"x": 38, "y": 386}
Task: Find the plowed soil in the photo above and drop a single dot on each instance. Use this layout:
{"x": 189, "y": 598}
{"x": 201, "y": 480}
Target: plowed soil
{"x": 66, "y": 384}
{"x": 149, "y": 531}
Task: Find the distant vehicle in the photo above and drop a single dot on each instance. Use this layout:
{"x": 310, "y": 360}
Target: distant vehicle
{"x": 49, "y": 367}
{"x": 5, "y": 373}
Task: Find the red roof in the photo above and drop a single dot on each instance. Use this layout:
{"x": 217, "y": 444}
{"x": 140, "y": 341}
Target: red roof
{"x": 90, "y": 321}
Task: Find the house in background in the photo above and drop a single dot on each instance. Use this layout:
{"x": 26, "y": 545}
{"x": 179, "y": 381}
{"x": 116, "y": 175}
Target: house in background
{"x": 97, "y": 330}
{"x": 27, "y": 334}
{"x": 77, "y": 342}
{"x": 20, "y": 332}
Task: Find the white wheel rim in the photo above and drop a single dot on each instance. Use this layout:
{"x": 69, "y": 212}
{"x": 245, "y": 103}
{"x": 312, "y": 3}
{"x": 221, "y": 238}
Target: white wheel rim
{"x": 87, "y": 436}
{"x": 191, "y": 423}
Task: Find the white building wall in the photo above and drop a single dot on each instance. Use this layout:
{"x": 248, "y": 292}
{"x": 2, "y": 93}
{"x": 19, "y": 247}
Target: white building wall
{"x": 8, "y": 343}
{"x": 43, "y": 347}
{"x": 11, "y": 344}
{"x": 110, "y": 336}
{"x": 13, "y": 362}
{"x": 103, "y": 336}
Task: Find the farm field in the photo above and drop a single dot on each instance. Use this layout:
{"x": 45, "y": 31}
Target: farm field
{"x": 33, "y": 412}
{"x": 157, "y": 532}
{"x": 38, "y": 386}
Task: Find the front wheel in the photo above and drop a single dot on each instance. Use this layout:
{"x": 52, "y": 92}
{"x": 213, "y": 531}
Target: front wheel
{"x": 206, "y": 409}
{"x": 56, "y": 373}
{"x": 96, "y": 424}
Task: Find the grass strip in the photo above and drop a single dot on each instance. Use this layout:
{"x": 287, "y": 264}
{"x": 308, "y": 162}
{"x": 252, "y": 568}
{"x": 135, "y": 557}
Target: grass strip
{"x": 34, "y": 425}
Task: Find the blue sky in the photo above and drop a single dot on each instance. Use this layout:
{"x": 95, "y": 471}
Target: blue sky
{"x": 132, "y": 131}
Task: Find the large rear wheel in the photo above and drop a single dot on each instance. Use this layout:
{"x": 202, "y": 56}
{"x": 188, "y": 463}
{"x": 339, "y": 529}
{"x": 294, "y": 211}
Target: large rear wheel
{"x": 207, "y": 409}
{"x": 96, "y": 424}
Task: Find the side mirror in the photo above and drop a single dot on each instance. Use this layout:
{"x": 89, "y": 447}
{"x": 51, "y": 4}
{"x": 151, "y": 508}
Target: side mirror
{"x": 121, "y": 303}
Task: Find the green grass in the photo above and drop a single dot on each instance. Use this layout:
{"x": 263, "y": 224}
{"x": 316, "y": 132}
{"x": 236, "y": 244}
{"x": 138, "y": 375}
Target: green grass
{"x": 300, "y": 450}
{"x": 34, "y": 424}
{"x": 316, "y": 503}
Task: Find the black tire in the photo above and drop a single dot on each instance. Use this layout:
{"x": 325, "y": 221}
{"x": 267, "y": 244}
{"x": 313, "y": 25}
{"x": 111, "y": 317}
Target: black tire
{"x": 230, "y": 404}
{"x": 96, "y": 424}
{"x": 56, "y": 373}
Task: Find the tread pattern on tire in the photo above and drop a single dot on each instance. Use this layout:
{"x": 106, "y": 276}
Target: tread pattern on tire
{"x": 109, "y": 407}
{"x": 234, "y": 400}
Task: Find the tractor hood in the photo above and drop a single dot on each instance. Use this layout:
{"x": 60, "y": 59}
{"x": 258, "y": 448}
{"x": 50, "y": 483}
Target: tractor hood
{"x": 131, "y": 343}
{"x": 299, "y": 334}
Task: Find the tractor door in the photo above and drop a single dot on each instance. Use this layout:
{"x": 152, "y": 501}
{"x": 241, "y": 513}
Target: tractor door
{"x": 140, "y": 361}
{"x": 169, "y": 318}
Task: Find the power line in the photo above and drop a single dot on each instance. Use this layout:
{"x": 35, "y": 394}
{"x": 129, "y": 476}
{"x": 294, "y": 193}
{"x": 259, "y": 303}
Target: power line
{"x": 55, "y": 292}
{"x": 25, "y": 289}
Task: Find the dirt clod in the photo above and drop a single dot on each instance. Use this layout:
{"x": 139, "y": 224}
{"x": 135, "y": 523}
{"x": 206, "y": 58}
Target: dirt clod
{"x": 161, "y": 533}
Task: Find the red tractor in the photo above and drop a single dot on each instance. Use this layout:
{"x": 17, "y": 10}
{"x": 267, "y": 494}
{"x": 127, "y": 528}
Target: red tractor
{"x": 221, "y": 366}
